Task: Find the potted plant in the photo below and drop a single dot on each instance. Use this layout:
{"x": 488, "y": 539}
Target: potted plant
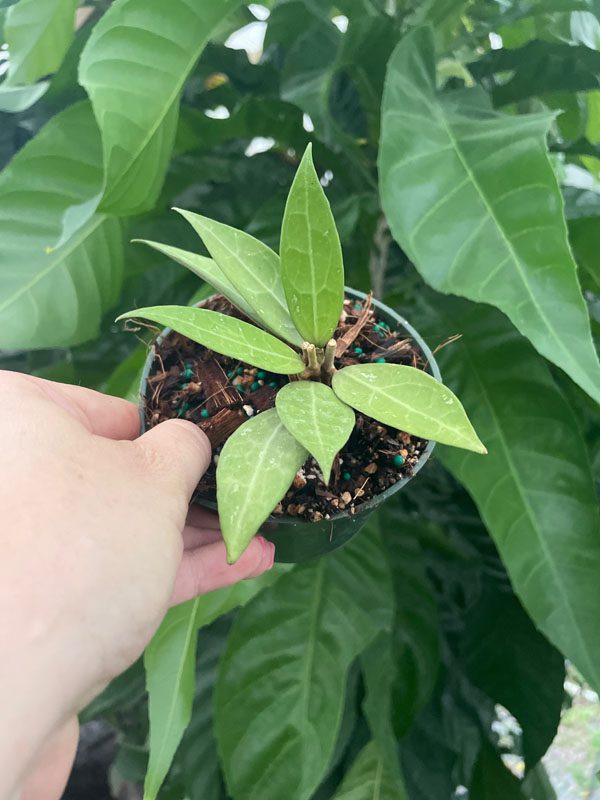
{"x": 316, "y": 398}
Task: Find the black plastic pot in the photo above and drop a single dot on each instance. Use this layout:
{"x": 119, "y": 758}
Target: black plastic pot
{"x": 299, "y": 540}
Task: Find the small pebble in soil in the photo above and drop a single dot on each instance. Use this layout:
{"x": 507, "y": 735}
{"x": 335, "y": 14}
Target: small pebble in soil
{"x": 255, "y": 386}
{"x": 358, "y": 351}
{"x": 261, "y": 375}
{"x": 249, "y": 410}
{"x": 204, "y": 413}
{"x": 398, "y": 461}
{"x": 346, "y": 476}
{"x": 380, "y": 360}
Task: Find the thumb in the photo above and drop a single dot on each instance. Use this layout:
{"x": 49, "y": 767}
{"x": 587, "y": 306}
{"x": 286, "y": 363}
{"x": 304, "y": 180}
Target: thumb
{"x": 177, "y": 452}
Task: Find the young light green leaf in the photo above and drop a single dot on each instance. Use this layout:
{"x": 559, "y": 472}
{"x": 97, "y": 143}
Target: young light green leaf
{"x": 206, "y": 269}
{"x": 312, "y": 267}
{"x": 408, "y": 399}
{"x": 317, "y": 419}
{"x": 256, "y": 467}
{"x": 252, "y": 268}
{"x": 226, "y": 335}
{"x": 38, "y": 36}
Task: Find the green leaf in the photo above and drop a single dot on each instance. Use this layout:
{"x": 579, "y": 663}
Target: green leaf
{"x": 51, "y": 298}
{"x": 226, "y": 335}
{"x": 534, "y": 490}
{"x": 369, "y": 779}
{"x": 488, "y": 222}
{"x": 503, "y": 652}
{"x": 252, "y": 268}
{"x": 312, "y": 267}
{"x": 206, "y": 269}
{"x": 138, "y": 116}
{"x": 14, "y": 99}
{"x": 282, "y": 682}
{"x": 492, "y": 780}
{"x": 539, "y": 68}
{"x": 407, "y": 399}
{"x": 38, "y": 35}
{"x": 256, "y": 468}
{"x": 316, "y": 418}
{"x": 170, "y": 661}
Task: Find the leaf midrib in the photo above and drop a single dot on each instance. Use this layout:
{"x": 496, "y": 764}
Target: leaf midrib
{"x": 526, "y": 505}
{"x": 191, "y": 625}
{"x": 437, "y": 110}
{"x": 84, "y": 233}
{"x": 396, "y": 400}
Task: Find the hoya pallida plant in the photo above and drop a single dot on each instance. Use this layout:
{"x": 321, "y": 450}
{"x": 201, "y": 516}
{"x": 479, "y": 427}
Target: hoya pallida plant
{"x": 295, "y": 300}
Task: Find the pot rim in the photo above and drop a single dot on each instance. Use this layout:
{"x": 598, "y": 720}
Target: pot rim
{"x": 432, "y": 368}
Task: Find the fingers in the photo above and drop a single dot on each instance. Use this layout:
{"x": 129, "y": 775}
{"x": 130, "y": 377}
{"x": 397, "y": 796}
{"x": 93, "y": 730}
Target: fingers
{"x": 177, "y": 452}
{"x": 206, "y": 569}
{"x": 198, "y": 537}
{"x": 49, "y": 777}
{"x": 101, "y": 414}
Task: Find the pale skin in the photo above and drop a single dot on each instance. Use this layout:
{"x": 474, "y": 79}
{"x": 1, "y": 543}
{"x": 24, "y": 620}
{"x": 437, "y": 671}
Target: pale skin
{"x": 97, "y": 542}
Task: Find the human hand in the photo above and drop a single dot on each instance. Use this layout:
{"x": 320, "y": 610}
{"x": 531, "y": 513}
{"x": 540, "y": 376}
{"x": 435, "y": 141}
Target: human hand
{"x": 97, "y": 542}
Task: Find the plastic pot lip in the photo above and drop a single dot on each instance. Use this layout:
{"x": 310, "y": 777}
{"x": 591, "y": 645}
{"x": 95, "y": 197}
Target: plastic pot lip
{"x": 369, "y": 505}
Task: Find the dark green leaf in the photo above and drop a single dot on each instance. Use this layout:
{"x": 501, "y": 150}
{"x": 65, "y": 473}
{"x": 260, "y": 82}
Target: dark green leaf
{"x": 170, "y": 661}
{"x": 504, "y": 654}
{"x": 312, "y": 269}
{"x": 256, "y": 468}
{"x": 492, "y": 780}
{"x": 488, "y": 223}
{"x": 281, "y": 687}
{"x": 226, "y": 335}
{"x": 534, "y": 490}
{"x": 539, "y": 68}
{"x": 369, "y": 779}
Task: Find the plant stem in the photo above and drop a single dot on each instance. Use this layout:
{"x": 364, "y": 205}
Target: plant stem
{"x": 328, "y": 367}
{"x": 379, "y": 254}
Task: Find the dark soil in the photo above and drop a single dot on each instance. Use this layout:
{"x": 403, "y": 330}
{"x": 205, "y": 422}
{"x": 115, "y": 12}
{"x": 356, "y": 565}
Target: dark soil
{"x": 219, "y": 394}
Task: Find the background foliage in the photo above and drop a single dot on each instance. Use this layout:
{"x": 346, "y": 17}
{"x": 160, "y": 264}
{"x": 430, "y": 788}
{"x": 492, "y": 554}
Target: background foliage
{"x": 459, "y": 144}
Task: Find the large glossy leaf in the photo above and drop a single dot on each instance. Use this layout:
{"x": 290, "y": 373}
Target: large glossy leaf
{"x": 488, "y": 222}
{"x": 256, "y": 468}
{"x": 316, "y": 418}
{"x": 170, "y": 661}
{"x": 137, "y": 116}
{"x": 503, "y": 652}
{"x": 56, "y": 297}
{"x": 38, "y": 36}
{"x": 534, "y": 490}
{"x": 539, "y": 68}
{"x": 252, "y": 268}
{"x": 369, "y": 779}
{"x": 204, "y": 268}
{"x": 312, "y": 269}
{"x": 408, "y": 399}
{"x": 226, "y": 335}
{"x": 282, "y": 682}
